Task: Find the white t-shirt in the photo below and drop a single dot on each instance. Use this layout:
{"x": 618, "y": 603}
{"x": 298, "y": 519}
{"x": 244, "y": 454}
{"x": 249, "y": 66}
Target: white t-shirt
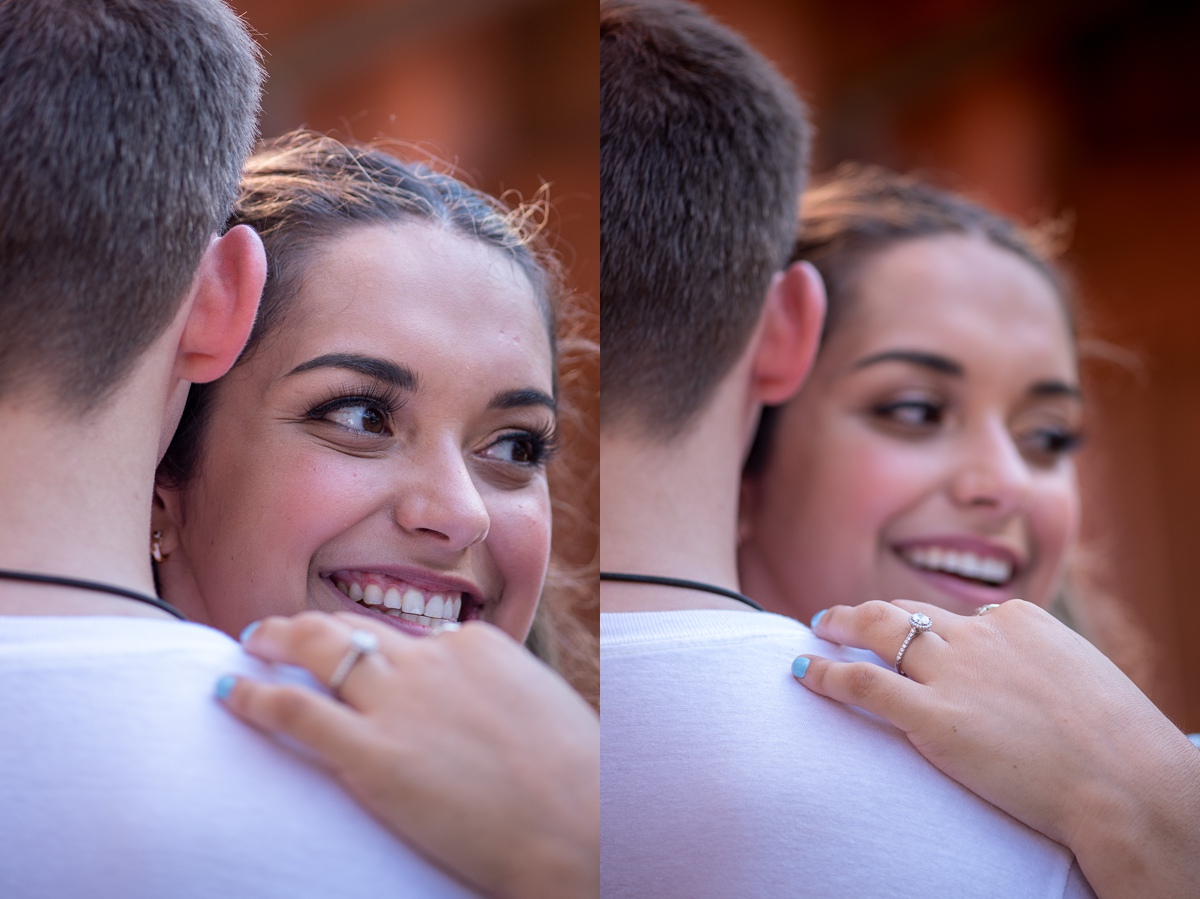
{"x": 722, "y": 776}
{"x": 121, "y": 776}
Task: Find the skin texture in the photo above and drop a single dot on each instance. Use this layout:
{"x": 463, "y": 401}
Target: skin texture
{"x": 515, "y": 810}
{"x": 316, "y": 469}
{"x": 940, "y": 413}
{"x": 1032, "y": 717}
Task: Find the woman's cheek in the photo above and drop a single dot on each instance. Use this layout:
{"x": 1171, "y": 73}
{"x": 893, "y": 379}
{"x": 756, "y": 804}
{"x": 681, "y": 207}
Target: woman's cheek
{"x": 1056, "y": 527}
{"x": 519, "y": 543}
{"x": 320, "y": 498}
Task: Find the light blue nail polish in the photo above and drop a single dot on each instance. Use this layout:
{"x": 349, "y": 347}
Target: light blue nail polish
{"x": 800, "y": 667}
{"x": 817, "y": 617}
{"x": 250, "y": 628}
{"x": 226, "y": 684}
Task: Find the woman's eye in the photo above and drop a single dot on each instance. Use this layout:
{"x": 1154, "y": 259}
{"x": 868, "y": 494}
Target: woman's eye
{"x": 370, "y": 419}
{"x": 526, "y": 449}
{"x": 910, "y": 413}
{"x": 1052, "y": 442}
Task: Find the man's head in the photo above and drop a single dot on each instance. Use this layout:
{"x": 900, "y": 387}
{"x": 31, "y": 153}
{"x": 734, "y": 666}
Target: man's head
{"x": 123, "y": 128}
{"x": 703, "y": 152}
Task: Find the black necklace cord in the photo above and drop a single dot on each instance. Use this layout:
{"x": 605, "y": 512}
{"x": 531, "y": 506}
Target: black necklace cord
{"x": 96, "y": 586}
{"x": 680, "y": 583}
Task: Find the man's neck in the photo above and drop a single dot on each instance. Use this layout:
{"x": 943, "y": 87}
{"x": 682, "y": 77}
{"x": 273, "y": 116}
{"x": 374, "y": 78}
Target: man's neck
{"x": 670, "y": 508}
{"x": 75, "y": 496}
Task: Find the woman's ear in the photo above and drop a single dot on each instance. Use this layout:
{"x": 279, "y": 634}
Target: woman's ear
{"x": 223, "y": 301}
{"x": 791, "y": 331}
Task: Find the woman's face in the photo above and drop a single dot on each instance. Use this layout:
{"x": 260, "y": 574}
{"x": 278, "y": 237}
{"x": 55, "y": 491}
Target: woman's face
{"x": 928, "y": 457}
{"x": 384, "y": 449}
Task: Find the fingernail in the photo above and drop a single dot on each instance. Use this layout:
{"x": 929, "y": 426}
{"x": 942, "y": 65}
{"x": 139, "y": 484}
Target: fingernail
{"x": 226, "y": 684}
{"x": 800, "y": 666}
{"x": 817, "y": 618}
{"x": 250, "y": 628}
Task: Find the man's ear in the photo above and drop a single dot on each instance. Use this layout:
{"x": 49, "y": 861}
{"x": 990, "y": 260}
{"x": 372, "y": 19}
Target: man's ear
{"x": 223, "y": 302}
{"x": 791, "y": 331}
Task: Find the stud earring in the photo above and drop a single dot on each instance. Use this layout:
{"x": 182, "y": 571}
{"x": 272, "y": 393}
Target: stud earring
{"x": 156, "y": 551}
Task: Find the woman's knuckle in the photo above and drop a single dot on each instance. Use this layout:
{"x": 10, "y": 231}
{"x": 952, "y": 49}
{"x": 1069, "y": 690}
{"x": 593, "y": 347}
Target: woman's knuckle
{"x": 876, "y": 613}
{"x": 861, "y": 679}
{"x": 288, "y": 708}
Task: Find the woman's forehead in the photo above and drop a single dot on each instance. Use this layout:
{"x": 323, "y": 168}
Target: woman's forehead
{"x": 951, "y": 287}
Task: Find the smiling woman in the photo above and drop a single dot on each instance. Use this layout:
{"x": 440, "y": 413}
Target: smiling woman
{"x": 929, "y": 454}
{"x": 381, "y": 447}
{"x": 926, "y": 468}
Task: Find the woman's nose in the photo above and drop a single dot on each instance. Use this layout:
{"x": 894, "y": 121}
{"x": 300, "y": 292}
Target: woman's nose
{"x": 992, "y": 474}
{"x": 441, "y": 499}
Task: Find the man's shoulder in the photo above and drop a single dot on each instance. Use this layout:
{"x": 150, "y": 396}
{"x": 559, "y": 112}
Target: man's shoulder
{"x": 697, "y": 628}
{"x": 722, "y": 775}
{"x": 109, "y": 714}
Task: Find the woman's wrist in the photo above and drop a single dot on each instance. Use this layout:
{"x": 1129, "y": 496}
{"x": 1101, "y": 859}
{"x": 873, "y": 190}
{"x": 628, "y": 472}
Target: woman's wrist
{"x": 1136, "y": 827}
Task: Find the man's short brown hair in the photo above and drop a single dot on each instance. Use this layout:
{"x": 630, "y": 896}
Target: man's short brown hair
{"x": 703, "y": 152}
{"x": 123, "y": 127}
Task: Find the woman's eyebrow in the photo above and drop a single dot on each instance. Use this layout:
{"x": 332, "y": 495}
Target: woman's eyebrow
{"x": 914, "y": 357}
{"x": 1056, "y": 388}
{"x": 517, "y": 399}
{"x": 398, "y": 376}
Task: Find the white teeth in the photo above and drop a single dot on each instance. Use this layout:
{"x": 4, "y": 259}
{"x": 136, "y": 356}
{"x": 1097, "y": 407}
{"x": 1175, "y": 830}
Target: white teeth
{"x": 964, "y": 564}
{"x": 414, "y": 601}
{"x": 416, "y": 619}
{"x": 411, "y": 603}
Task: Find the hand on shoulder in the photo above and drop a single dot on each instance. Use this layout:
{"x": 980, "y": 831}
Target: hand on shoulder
{"x": 463, "y": 744}
{"x": 1029, "y": 715}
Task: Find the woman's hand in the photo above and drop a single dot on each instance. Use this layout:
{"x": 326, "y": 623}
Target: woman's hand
{"x": 1033, "y": 718}
{"x": 461, "y": 743}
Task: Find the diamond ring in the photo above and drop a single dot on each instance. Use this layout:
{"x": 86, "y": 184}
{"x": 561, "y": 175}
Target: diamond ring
{"x": 362, "y": 643}
{"x": 919, "y": 623}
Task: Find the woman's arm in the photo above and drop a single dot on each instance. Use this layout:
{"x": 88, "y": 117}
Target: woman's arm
{"x": 1033, "y": 718}
{"x": 462, "y": 743}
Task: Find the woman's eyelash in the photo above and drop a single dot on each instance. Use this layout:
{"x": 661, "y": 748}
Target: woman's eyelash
{"x": 913, "y": 411}
{"x": 543, "y": 444}
{"x": 1060, "y": 442}
{"x": 387, "y": 399}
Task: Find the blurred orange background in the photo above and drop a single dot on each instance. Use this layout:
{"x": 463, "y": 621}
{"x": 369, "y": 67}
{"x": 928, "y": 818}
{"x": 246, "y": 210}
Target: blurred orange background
{"x": 1088, "y": 110}
{"x": 507, "y": 91}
